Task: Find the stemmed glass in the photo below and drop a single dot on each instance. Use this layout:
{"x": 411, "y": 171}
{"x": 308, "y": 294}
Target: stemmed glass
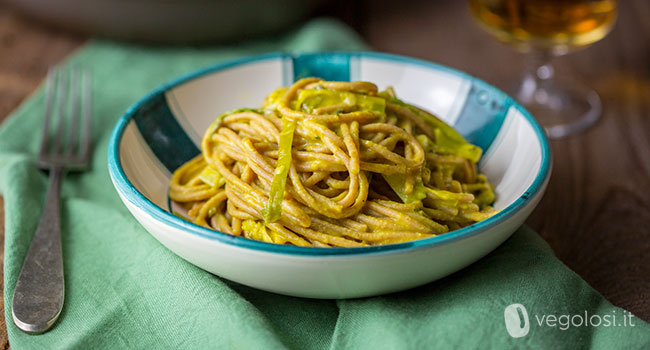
{"x": 544, "y": 29}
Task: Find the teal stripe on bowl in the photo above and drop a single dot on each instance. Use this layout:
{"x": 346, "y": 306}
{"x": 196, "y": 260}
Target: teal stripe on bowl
{"x": 334, "y": 66}
{"x": 483, "y": 114}
{"x": 163, "y": 134}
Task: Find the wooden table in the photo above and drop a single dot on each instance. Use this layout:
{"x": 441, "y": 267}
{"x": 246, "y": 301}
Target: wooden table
{"x": 596, "y": 212}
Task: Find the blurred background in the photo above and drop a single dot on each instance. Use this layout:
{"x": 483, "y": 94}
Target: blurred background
{"x": 596, "y": 212}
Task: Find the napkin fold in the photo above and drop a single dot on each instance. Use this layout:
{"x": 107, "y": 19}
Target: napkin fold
{"x": 124, "y": 290}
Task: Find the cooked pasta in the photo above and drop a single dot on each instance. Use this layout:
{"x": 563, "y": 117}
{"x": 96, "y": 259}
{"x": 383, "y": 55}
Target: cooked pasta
{"x": 327, "y": 163}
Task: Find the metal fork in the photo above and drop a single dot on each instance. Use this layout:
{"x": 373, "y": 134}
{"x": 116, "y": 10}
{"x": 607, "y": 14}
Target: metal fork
{"x": 38, "y": 297}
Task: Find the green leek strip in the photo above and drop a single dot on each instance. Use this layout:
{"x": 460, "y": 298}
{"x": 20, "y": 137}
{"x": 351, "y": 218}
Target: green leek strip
{"x": 484, "y": 198}
{"x": 310, "y": 99}
{"x": 273, "y": 99}
{"x": 273, "y": 209}
{"x": 398, "y": 182}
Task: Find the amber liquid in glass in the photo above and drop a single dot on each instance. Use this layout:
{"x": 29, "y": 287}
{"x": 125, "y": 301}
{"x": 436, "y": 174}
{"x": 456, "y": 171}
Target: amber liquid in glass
{"x": 557, "y": 25}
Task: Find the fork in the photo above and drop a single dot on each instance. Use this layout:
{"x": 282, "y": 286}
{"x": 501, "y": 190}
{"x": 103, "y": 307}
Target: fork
{"x": 39, "y": 293}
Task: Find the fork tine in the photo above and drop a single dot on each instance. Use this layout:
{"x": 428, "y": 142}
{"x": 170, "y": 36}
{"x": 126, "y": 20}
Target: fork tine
{"x": 86, "y": 90}
{"x": 61, "y": 100}
{"x": 73, "y": 133}
{"x": 49, "y": 100}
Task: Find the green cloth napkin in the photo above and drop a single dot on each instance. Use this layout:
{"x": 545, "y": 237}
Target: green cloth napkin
{"x": 124, "y": 290}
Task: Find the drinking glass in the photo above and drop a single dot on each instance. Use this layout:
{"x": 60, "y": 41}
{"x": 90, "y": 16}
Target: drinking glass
{"x": 544, "y": 29}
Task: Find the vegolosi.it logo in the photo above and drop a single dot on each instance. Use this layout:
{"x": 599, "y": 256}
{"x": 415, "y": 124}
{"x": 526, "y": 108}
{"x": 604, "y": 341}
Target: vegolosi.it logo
{"x": 518, "y": 323}
{"x": 514, "y": 325}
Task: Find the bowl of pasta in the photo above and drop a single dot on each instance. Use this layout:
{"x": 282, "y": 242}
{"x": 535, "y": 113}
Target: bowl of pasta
{"x": 329, "y": 175}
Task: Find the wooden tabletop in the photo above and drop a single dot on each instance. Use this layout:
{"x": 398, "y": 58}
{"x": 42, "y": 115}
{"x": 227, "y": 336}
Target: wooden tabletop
{"x": 596, "y": 211}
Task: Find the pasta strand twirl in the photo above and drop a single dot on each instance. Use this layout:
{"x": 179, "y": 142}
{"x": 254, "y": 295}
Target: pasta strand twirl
{"x": 327, "y": 164}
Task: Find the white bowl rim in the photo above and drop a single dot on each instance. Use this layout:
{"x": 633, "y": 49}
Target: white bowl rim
{"x": 130, "y": 193}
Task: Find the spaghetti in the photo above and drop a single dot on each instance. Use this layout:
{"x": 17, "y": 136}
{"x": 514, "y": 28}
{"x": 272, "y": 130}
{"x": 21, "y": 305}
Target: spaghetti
{"x": 327, "y": 163}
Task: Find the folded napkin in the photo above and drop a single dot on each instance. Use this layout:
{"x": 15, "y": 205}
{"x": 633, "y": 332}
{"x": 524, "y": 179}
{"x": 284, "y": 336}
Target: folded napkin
{"x": 124, "y": 290}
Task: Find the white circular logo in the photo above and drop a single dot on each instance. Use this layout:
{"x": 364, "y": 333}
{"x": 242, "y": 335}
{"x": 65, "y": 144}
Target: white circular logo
{"x": 514, "y": 325}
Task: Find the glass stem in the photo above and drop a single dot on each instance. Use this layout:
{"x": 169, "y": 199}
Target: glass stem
{"x": 561, "y": 103}
{"x": 538, "y": 77}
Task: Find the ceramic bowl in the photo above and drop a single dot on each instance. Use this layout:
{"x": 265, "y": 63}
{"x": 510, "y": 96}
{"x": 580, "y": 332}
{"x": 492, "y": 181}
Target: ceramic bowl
{"x": 163, "y": 130}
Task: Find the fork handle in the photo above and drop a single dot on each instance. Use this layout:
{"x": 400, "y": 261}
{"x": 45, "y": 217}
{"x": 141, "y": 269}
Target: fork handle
{"x": 38, "y": 297}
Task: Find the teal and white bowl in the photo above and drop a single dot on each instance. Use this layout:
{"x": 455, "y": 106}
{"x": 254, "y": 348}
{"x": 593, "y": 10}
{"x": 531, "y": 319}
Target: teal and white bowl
{"x": 163, "y": 130}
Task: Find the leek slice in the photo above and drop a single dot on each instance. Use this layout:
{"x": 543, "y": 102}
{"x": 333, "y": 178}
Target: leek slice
{"x": 310, "y": 99}
{"x": 212, "y": 177}
{"x": 397, "y": 183}
{"x": 273, "y": 209}
{"x": 273, "y": 99}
